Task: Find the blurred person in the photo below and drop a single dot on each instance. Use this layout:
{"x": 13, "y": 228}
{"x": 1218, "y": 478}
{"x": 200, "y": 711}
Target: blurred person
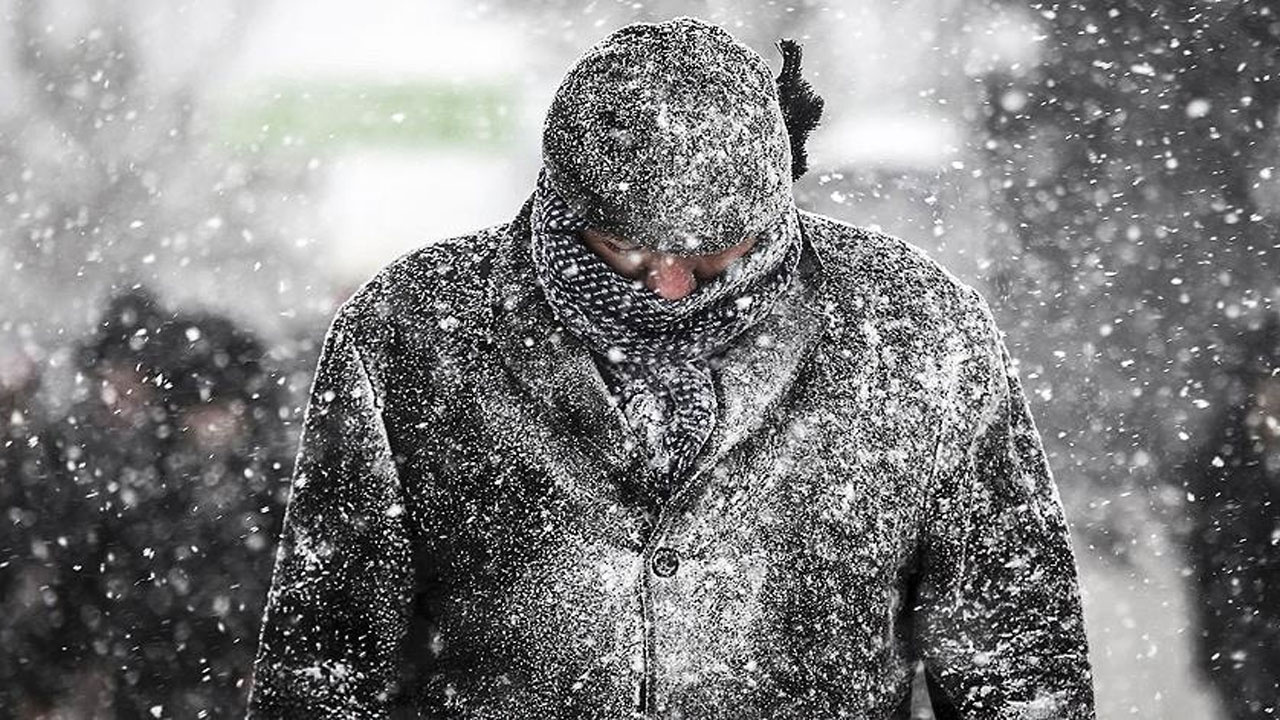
{"x": 27, "y": 547}
{"x": 198, "y": 549}
{"x": 23, "y": 456}
{"x": 1233, "y": 492}
{"x": 667, "y": 446}
{"x": 172, "y": 454}
{"x": 51, "y": 607}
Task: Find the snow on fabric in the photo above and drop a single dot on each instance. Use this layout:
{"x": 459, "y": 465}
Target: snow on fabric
{"x": 491, "y": 542}
{"x": 477, "y": 535}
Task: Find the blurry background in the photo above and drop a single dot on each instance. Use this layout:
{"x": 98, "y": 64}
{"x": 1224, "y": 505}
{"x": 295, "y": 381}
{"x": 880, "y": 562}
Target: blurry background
{"x": 188, "y": 190}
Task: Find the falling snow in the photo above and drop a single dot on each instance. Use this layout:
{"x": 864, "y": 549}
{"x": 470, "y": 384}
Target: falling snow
{"x": 1022, "y": 462}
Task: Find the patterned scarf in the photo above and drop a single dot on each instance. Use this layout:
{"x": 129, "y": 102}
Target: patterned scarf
{"x": 659, "y": 352}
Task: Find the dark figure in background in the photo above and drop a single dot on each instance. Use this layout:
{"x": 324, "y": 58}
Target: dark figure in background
{"x": 171, "y": 466}
{"x": 1233, "y": 486}
{"x": 28, "y": 553}
{"x": 53, "y": 608}
{"x": 192, "y": 553}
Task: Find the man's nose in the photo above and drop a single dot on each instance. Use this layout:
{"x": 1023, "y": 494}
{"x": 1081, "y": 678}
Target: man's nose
{"x": 671, "y": 276}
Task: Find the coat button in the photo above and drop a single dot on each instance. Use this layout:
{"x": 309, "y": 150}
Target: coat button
{"x": 665, "y": 562}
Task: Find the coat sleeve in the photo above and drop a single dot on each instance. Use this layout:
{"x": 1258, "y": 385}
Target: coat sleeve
{"x": 337, "y": 610}
{"x": 1000, "y": 625}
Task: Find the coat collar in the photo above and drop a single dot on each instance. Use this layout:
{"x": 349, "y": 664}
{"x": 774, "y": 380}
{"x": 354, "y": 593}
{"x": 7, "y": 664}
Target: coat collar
{"x": 558, "y": 371}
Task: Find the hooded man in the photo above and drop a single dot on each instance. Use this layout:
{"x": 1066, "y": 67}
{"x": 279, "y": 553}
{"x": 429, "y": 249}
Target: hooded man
{"x": 665, "y": 446}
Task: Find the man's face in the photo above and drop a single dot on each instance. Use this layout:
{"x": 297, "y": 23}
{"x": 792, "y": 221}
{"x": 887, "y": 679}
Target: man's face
{"x": 670, "y": 276}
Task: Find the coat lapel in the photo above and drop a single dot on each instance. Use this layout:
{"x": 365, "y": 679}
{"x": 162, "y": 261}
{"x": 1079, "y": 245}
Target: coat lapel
{"x": 553, "y": 367}
{"x": 558, "y": 371}
{"x": 762, "y": 365}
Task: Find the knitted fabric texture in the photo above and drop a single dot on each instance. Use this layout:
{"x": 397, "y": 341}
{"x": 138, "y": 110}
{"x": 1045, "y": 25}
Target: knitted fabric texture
{"x": 658, "y": 353}
{"x": 672, "y": 136}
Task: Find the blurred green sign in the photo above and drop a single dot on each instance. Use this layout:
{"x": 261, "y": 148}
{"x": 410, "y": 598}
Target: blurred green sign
{"x": 337, "y": 114}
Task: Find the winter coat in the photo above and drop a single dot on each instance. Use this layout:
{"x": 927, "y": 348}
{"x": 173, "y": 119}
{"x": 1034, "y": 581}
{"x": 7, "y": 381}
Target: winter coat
{"x": 471, "y": 533}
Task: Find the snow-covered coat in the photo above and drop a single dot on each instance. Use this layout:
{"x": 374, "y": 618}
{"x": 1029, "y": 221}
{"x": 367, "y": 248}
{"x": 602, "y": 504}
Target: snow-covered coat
{"x": 471, "y": 535}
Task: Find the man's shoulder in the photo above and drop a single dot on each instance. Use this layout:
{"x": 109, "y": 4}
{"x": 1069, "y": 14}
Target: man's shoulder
{"x": 881, "y": 278}
{"x": 863, "y": 260}
{"x": 438, "y": 287}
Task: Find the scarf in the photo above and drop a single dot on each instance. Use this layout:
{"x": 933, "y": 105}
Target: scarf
{"x": 657, "y": 354}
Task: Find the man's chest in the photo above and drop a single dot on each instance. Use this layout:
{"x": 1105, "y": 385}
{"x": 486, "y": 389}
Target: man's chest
{"x": 537, "y": 534}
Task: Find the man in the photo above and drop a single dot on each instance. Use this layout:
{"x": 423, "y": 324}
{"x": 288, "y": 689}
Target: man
{"x": 666, "y": 446}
